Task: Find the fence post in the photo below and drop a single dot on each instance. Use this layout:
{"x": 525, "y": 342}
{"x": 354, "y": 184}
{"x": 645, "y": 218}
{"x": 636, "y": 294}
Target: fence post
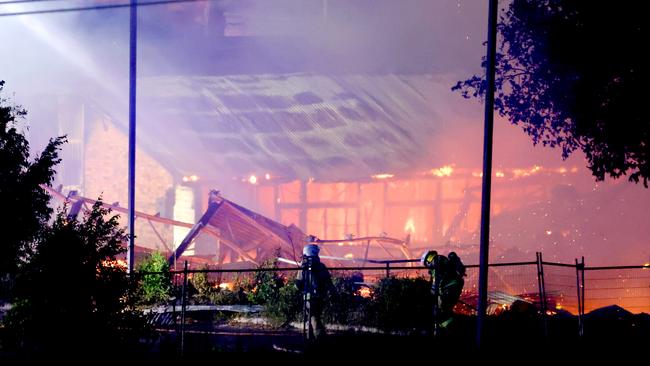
{"x": 307, "y": 297}
{"x": 579, "y": 298}
{"x": 387, "y": 269}
{"x": 174, "y": 299}
{"x": 183, "y": 304}
{"x": 583, "y": 291}
{"x": 542, "y": 290}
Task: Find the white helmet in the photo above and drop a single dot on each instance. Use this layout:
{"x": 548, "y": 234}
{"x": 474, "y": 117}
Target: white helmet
{"x": 310, "y": 250}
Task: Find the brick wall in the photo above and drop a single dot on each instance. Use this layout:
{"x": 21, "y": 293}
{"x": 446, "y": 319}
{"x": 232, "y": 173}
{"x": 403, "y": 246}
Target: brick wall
{"x": 106, "y": 174}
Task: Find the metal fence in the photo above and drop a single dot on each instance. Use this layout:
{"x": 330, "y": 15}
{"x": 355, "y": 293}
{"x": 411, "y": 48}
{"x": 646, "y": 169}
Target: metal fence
{"x": 626, "y": 286}
{"x": 554, "y": 290}
{"x": 569, "y": 291}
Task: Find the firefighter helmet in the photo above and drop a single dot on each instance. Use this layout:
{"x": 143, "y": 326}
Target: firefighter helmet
{"x": 428, "y": 257}
{"x": 310, "y": 250}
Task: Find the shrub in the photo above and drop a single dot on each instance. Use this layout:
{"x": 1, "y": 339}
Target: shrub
{"x": 286, "y": 306}
{"x": 401, "y": 304}
{"x": 203, "y": 287}
{"x": 72, "y": 293}
{"x": 346, "y": 305}
{"x": 278, "y": 294}
{"x": 154, "y": 288}
{"x": 266, "y": 284}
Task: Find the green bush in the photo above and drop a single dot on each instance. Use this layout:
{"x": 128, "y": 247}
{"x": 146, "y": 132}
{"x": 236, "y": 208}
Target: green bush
{"x": 277, "y": 293}
{"x": 286, "y": 306}
{"x": 154, "y": 288}
{"x": 267, "y": 284}
{"x": 346, "y": 305}
{"x": 203, "y": 288}
{"x": 72, "y": 294}
{"x": 228, "y": 297}
{"x": 401, "y": 304}
{"x": 393, "y": 304}
{"x": 283, "y": 301}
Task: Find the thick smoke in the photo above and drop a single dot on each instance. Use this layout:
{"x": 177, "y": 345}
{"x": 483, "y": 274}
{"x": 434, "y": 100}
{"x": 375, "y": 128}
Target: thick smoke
{"x": 50, "y": 58}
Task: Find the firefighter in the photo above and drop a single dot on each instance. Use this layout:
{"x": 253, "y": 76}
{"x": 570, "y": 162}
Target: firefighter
{"x": 315, "y": 282}
{"x": 446, "y": 285}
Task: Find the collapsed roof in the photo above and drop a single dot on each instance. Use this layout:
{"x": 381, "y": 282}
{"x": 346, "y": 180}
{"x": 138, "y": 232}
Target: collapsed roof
{"x": 296, "y": 126}
{"x": 244, "y": 235}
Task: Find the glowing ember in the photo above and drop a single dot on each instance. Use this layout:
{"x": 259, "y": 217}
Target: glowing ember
{"x": 518, "y": 173}
{"x": 410, "y": 226}
{"x": 252, "y": 179}
{"x": 383, "y": 176}
{"x": 121, "y": 263}
{"x": 190, "y": 178}
{"x": 549, "y": 232}
{"x": 267, "y": 176}
{"x": 226, "y": 286}
{"x": 500, "y": 174}
{"x": 364, "y": 292}
{"x": 444, "y": 171}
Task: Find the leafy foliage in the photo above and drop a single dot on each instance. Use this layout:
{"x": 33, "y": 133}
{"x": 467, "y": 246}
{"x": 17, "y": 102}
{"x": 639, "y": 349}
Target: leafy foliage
{"x": 345, "y": 305}
{"x": 402, "y": 304}
{"x": 24, "y": 203}
{"x": 204, "y": 287}
{"x": 286, "y": 306}
{"x": 72, "y": 292}
{"x": 154, "y": 288}
{"x": 573, "y": 83}
{"x": 229, "y": 297}
{"x": 267, "y": 283}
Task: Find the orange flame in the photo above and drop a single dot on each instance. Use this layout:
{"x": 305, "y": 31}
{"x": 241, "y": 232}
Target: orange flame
{"x": 444, "y": 171}
{"x": 383, "y": 176}
{"x": 364, "y": 292}
{"x": 410, "y": 226}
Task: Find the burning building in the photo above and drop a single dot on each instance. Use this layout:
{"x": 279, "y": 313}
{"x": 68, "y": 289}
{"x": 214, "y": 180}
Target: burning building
{"x": 331, "y": 117}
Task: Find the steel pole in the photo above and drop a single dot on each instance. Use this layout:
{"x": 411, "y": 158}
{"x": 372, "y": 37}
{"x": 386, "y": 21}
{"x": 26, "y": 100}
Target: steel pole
{"x": 133, "y": 37}
{"x": 183, "y": 306}
{"x": 487, "y": 171}
{"x": 579, "y": 298}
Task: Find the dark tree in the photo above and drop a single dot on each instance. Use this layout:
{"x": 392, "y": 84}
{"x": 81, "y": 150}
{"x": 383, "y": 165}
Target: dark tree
{"x": 24, "y": 207}
{"x": 73, "y": 295}
{"x": 573, "y": 74}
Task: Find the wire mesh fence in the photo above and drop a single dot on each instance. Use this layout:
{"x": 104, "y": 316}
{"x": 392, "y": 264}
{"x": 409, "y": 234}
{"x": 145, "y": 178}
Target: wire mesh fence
{"x": 395, "y": 297}
{"x": 508, "y": 282}
{"x": 627, "y": 287}
{"x": 561, "y": 288}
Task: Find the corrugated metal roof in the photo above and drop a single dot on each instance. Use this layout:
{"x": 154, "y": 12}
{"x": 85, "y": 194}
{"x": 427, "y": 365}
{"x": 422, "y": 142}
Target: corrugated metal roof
{"x": 296, "y": 125}
{"x": 255, "y": 233}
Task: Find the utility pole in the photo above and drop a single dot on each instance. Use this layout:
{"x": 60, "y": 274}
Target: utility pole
{"x": 133, "y": 38}
{"x": 487, "y": 171}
